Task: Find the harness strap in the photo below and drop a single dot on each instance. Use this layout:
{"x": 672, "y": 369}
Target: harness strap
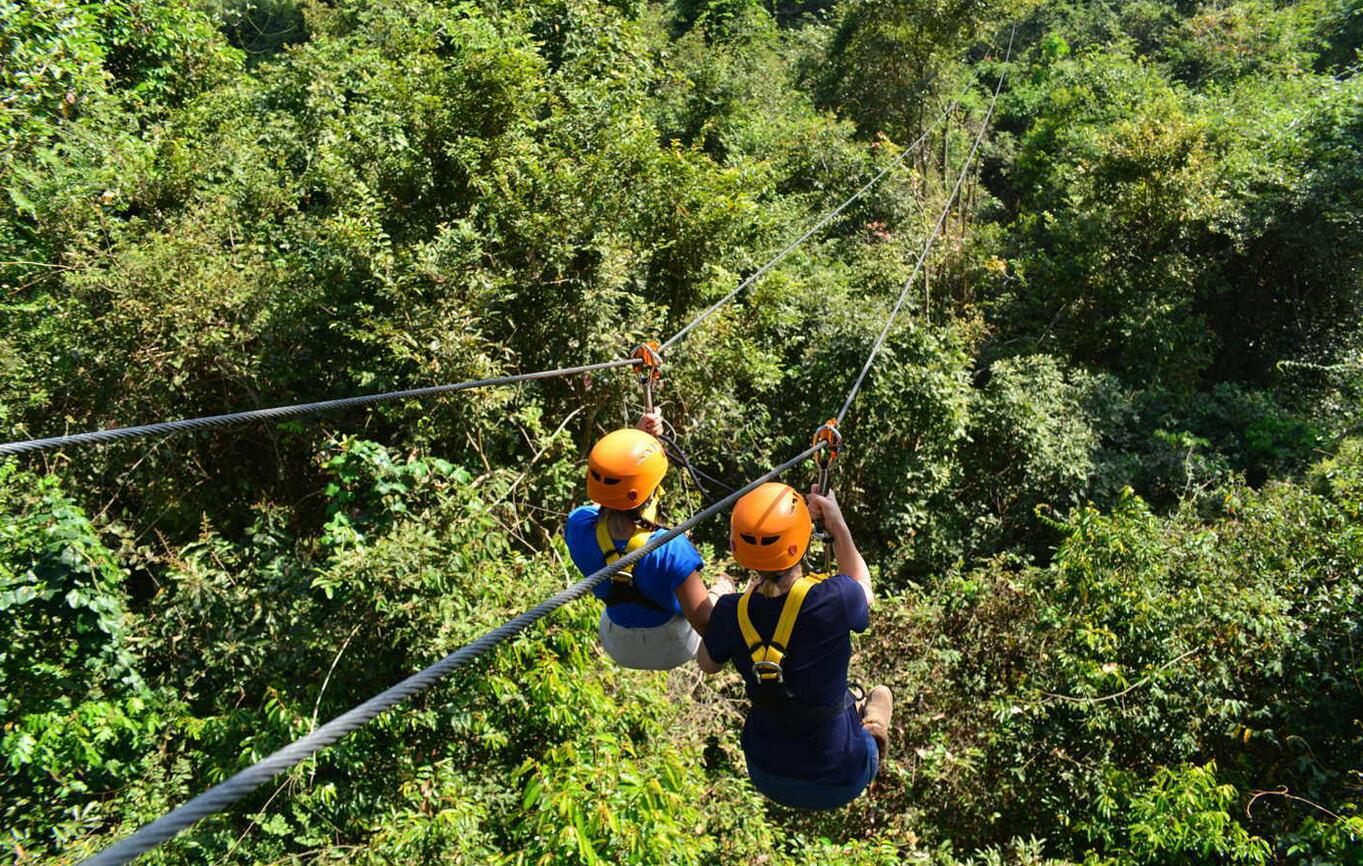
{"x": 623, "y": 589}
{"x": 779, "y": 699}
{"x": 607, "y": 545}
{"x": 767, "y": 656}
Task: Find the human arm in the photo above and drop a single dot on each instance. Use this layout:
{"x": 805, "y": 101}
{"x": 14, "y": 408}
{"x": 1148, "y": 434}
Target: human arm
{"x": 717, "y": 644}
{"x": 850, "y": 562}
{"x": 695, "y": 602}
{"x": 707, "y": 664}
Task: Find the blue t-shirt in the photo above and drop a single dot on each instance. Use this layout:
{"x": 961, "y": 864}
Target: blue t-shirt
{"x": 657, "y": 575}
{"x": 831, "y": 752}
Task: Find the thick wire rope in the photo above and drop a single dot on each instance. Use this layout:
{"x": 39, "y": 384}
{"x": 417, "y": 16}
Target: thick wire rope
{"x": 224, "y": 794}
{"x": 932, "y": 237}
{"x": 279, "y": 412}
{"x": 810, "y": 232}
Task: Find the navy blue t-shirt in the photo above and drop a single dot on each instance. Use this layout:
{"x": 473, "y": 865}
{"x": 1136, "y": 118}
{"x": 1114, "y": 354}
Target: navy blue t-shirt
{"x": 657, "y": 575}
{"x": 830, "y": 752}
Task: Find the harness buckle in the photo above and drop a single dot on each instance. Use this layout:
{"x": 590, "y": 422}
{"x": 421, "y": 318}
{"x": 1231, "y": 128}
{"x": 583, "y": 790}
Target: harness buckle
{"x": 768, "y": 672}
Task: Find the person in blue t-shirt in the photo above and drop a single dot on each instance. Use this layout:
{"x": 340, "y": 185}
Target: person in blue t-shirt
{"x": 807, "y": 742}
{"x": 657, "y": 609}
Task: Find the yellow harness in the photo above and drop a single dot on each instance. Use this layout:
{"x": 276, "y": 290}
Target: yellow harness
{"x": 768, "y": 655}
{"x": 623, "y": 589}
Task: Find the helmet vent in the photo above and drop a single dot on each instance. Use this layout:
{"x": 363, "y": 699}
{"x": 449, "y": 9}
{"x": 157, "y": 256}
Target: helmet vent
{"x": 611, "y": 480}
{"x": 751, "y": 539}
{"x": 768, "y": 540}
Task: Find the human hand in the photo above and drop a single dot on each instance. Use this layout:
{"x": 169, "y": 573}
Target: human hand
{"x": 826, "y": 508}
{"x": 651, "y": 423}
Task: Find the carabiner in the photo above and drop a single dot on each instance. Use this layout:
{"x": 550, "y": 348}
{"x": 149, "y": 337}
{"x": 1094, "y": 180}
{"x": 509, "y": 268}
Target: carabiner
{"x": 831, "y": 438}
{"x": 650, "y": 356}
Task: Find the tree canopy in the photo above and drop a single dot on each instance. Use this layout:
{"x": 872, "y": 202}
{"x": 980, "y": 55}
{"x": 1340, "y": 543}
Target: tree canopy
{"x": 1108, "y": 471}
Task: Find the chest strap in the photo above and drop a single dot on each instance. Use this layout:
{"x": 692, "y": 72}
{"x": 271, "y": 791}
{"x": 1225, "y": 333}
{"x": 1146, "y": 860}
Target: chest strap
{"x": 769, "y": 655}
{"x": 623, "y": 590}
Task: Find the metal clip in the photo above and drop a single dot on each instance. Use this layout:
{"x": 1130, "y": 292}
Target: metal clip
{"x": 763, "y": 669}
{"x": 829, "y": 435}
{"x": 650, "y": 356}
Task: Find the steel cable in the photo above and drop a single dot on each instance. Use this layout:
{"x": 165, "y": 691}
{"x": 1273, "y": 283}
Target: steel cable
{"x": 279, "y": 412}
{"x": 932, "y": 238}
{"x": 224, "y": 794}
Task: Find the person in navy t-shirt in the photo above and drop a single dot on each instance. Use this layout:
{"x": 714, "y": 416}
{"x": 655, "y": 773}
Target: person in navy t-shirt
{"x": 807, "y": 743}
{"x": 657, "y": 610}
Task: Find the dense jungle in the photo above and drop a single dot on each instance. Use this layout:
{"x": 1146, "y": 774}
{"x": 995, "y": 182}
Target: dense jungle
{"x": 1108, "y": 472}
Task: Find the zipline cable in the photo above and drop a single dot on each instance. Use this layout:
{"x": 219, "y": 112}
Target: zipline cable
{"x": 932, "y": 237}
{"x": 224, "y": 794}
{"x": 823, "y": 221}
{"x": 279, "y": 412}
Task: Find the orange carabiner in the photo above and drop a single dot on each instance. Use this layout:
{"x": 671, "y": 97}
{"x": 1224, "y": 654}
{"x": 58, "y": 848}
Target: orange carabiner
{"x": 650, "y": 356}
{"x": 828, "y": 435}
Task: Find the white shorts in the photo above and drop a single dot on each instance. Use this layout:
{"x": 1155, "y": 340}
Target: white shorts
{"x": 660, "y": 648}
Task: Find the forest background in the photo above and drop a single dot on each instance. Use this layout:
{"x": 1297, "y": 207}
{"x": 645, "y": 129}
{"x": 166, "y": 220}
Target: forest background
{"x": 1109, "y": 470}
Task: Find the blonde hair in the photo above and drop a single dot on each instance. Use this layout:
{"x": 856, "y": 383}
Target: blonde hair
{"x": 634, "y": 515}
{"x": 770, "y": 581}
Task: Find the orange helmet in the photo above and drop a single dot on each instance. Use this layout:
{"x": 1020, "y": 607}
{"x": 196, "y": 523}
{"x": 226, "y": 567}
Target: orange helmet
{"x": 770, "y": 528}
{"x": 624, "y": 469}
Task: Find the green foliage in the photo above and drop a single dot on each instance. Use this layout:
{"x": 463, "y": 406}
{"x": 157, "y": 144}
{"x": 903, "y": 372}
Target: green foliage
{"x": 368, "y": 490}
{"x": 919, "y": 396}
{"x": 1031, "y": 447}
{"x": 1146, "y": 244}
{"x": 1072, "y": 698}
{"x": 885, "y": 55}
{"x": 1116, "y": 180}
{"x": 1341, "y": 477}
{"x": 1341, "y": 30}
{"x": 160, "y": 52}
{"x": 62, "y": 593}
{"x": 1185, "y": 813}
{"x": 261, "y": 28}
{"x": 1221, "y": 43}
{"x": 53, "y": 59}
{"x": 1107, "y": 468}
